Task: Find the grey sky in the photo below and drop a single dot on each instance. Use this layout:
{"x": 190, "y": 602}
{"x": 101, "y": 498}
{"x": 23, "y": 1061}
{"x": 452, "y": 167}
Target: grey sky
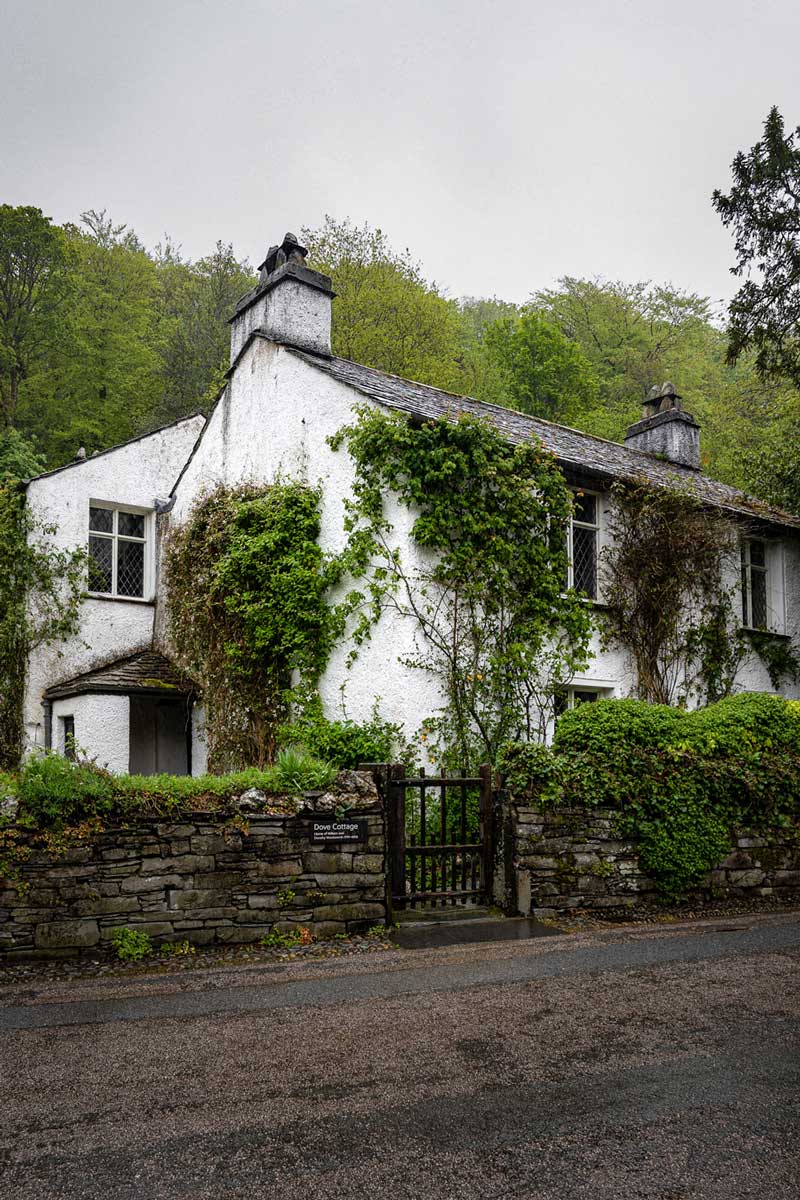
{"x": 506, "y": 144}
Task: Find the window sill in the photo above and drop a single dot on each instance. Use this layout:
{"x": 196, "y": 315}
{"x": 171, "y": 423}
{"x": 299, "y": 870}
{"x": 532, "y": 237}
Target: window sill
{"x": 119, "y": 599}
{"x": 747, "y": 630}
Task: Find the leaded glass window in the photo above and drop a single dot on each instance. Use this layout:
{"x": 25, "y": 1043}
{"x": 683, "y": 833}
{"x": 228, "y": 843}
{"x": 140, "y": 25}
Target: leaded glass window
{"x": 583, "y": 544}
{"x": 117, "y": 552}
{"x": 754, "y": 584}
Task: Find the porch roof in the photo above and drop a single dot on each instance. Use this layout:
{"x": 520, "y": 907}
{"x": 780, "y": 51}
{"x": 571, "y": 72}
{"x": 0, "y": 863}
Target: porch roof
{"x": 145, "y": 672}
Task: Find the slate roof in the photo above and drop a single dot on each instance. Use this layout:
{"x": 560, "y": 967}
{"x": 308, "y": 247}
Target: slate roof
{"x": 146, "y": 672}
{"x": 576, "y": 451}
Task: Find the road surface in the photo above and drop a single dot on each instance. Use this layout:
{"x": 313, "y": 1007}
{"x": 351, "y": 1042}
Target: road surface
{"x": 657, "y": 1063}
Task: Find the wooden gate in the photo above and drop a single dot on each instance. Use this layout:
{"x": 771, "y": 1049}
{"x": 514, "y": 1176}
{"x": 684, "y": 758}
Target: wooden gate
{"x": 440, "y": 838}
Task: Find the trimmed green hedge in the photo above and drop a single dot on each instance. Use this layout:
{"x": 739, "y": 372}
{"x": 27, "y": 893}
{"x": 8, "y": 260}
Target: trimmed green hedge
{"x": 681, "y": 781}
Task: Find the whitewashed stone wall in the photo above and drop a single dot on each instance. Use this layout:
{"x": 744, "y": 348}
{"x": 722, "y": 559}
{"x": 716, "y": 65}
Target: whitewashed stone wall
{"x": 136, "y": 474}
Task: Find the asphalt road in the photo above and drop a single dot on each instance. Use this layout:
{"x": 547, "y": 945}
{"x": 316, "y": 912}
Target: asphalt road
{"x": 659, "y": 1064}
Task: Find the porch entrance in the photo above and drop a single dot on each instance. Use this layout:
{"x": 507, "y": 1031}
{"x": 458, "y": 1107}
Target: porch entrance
{"x": 440, "y": 837}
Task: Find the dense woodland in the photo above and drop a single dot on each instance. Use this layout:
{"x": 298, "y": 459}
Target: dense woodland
{"x": 102, "y": 338}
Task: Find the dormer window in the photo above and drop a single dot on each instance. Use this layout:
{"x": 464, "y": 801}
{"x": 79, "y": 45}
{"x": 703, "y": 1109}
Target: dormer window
{"x": 582, "y": 543}
{"x": 118, "y": 551}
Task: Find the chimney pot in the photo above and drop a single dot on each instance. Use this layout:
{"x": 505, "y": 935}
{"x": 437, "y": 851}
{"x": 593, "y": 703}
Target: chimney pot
{"x": 665, "y": 429}
{"x": 290, "y": 303}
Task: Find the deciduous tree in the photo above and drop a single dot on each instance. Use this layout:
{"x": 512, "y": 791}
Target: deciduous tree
{"x": 33, "y": 263}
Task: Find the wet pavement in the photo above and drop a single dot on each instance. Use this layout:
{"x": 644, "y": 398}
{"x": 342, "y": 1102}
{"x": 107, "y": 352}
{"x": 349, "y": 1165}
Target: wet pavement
{"x": 423, "y": 935}
{"x": 634, "y": 1064}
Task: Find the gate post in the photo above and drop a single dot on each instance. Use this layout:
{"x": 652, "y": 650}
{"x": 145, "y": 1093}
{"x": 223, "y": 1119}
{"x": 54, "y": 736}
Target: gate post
{"x": 396, "y": 828}
{"x": 487, "y": 830}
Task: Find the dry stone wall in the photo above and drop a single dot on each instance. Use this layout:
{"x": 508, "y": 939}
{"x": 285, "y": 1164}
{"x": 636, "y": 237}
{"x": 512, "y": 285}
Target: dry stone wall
{"x": 573, "y": 858}
{"x": 197, "y": 880}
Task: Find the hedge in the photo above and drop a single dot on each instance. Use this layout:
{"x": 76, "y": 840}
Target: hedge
{"x": 680, "y": 781}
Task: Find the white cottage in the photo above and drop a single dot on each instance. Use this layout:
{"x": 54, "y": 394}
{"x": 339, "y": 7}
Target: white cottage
{"x": 113, "y": 687}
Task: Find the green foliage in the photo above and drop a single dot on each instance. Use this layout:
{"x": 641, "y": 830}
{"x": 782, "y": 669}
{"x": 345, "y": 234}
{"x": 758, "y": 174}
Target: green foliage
{"x": 282, "y": 941}
{"x": 194, "y": 304}
{"x": 747, "y": 723}
{"x": 633, "y": 335}
{"x": 177, "y": 949}
{"x": 680, "y": 781}
{"x": 56, "y": 792}
{"x": 130, "y": 945}
{"x": 33, "y": 259}
{"x": 545, "y": 373}
{"x": 298, "y": 771}
{"x": 610, "y": 726}
{"x": 482, "y": 376}
{"x": 344, "y": 743}
{"x": 778, "y": 655}
{"x": 285, "y": 896}
{"x": 386, "y": 315}
{"x": 772, "y": 466}
{"x": 763, "y": 211}
{"x": 495, "y": 625}
{"x": 100, "y": 339}
{"x": 668, "y": 557}
{"x": 18, "y": 456}
{"x": 246, "y": 584}
{"x": 682, "y": 844}
{"x": 40, "y": 590}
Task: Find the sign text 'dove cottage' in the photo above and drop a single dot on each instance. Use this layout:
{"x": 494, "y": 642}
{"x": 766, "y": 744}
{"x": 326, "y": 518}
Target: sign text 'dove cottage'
{"x": 329, "y": 830}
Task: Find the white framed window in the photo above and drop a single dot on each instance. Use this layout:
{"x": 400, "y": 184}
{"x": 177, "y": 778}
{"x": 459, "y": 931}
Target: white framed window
{"x": 755, "y": 584}
{"x": 583, "y": 543}
{"x": 120, "y": 541}
{"x": 571, "y": 697}
{"x": 762, "y": 585}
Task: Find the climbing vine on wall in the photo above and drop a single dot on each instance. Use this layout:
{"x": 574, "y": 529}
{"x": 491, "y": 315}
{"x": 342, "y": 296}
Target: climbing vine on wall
{"x": 778, "y": 654}
{"x": 247, "y": 586}
{"x": 671, "y": 608}
{"x": 40, "y": 591}
{"x": 483, "y": 581}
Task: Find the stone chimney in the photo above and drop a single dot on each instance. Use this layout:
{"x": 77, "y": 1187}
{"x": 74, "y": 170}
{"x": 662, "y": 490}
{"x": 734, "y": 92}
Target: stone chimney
{"x": 290, "y": 303}
{"x": 665, "y": 429}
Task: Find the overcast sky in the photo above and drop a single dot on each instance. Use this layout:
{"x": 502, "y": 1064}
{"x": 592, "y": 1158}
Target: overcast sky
{"x": 505, "y": 143}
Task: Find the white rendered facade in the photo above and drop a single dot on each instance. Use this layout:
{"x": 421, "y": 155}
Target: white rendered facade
{"x": 274, "y": 419}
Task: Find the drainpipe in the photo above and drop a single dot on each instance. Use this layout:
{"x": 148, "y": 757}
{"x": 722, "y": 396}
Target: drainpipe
{"x": 47, "y": 705}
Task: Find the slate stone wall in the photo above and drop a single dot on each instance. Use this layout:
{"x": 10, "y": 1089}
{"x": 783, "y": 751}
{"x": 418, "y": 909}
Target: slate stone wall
{"x": 571, "y": 858}
{"x": 198, "y": 881}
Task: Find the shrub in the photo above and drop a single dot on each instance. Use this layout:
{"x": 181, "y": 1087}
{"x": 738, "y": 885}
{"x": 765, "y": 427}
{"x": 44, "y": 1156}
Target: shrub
{"x": 130, "y": 944}
{"x": 344, "y": 743}
{"x": 529, "y": 767}
{"x": 679, "y": 781}
{"x": 742, "y": 724}
{"x": 54, "y": 789}
{"x": 298, "y": 771}
{"x": 681, "y": 846}
{"x": 610, "y": 724}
